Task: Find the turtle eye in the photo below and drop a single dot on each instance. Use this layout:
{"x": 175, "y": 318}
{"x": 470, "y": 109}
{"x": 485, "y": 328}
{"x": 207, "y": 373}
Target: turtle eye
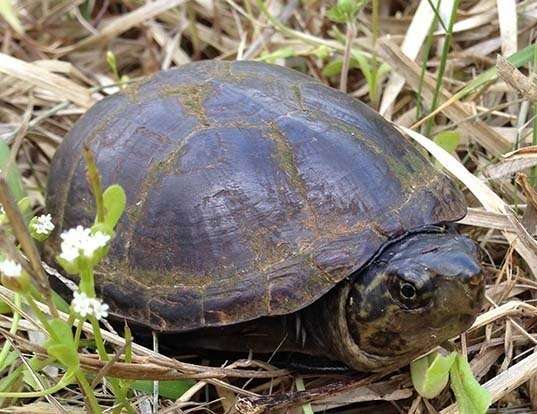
{"x": 407, "y": 291}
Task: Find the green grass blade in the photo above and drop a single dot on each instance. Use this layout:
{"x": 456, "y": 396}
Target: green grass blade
{"x": 443, "y": 61}
{"x": 13, "y": 178}
{"x": 167, "y": 389}
{"x": 8, "y": 13}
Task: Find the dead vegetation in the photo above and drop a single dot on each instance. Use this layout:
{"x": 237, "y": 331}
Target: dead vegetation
{"x": 54, "y": 67}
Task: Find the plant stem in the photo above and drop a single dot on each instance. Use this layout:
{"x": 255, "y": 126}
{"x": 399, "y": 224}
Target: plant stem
{"x": 64, "y": 381}
{"x": 12, "y": 330}
{"x": 41, "y": 317}
{"x": 93, "y": 405}
{"x": 304, "y": 37}
{"x": 442, "y": 67}
{"x": 533, "y": 171}
{"x": 118, "y": 391}
{"x": 347, "y": 56}
{"x": 78, "y": 332}
{"x": 87, "y": 284}
{"x": 426, "y": 52}
{"x": 373, "y": 93}
{"x": 99, "y": 342}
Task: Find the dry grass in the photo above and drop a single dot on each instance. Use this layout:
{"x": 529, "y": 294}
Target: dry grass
{"x": 55, "y": 69}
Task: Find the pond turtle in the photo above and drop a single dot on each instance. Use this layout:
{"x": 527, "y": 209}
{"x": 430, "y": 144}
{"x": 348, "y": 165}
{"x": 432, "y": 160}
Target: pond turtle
{"x": 266, "y": 210}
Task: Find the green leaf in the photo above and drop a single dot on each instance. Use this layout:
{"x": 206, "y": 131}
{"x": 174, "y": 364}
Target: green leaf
{"x": 430, "y": 374}
{"x": 63, "y": 331}
{"x": 112, "y": 63}
{"x": 334, "y": 67}
{"x": 7, "y": 12}
{"x": 345, "y": 10}
{"x": 336, "y": 15}
{"x": 64, "y": 354}
{"x": 167, "y": 389}
{"x": 86, "y": 9}
{"x": 4, "y": 307}
{"x": 321, "y": 52}
{"x": 11, "y": 357}
{"x": 282, "y": 53}
{"x": 25, "y": 207}
{"x": 471, "y": 397}
{"x": 13, "y": 175}
{"x": 114, "y": 200}
{"x": 124, "y": 80}
{"x": 448, "y": 140}
{"x": 384, "y": 69}
{"x": 365, "y": 67}
{"x": 62, "y": 345}
{"x": 60, "y": 302}
{"x": 29, "y": 379}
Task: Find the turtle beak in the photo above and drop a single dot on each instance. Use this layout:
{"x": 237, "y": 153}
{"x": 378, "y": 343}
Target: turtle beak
{"x": 457, "y": 303}
{"x": 460, "y": 297}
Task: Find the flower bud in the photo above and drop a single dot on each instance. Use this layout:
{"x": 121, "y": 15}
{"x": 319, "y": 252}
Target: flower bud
{"x": 13, "y": 276}
{"x": 41, "y": 227}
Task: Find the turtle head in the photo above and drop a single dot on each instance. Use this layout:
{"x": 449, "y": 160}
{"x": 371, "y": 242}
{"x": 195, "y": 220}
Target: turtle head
{"x": 419, "y": 292}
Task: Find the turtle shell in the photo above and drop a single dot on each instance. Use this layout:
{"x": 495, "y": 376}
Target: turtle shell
{"x": 252, "y": 190}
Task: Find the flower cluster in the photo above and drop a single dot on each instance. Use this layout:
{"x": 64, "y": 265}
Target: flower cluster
{"x": 10, "y": 268}
{"x": 13, "y": 276}
{"x": 42, "y": 224}
{"x": 84, "y": 306}
{"x": 80, "y": 242}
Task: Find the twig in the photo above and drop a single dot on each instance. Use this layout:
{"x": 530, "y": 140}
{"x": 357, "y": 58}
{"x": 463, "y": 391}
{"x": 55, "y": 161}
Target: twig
{"x": 513, "y": 77}
{"x": 37, "y": 120}
{"x": 19, "y": 135}
{"x": 105, "y": 370}
{"x": 28, "y": 246}
{"x": 268, "y": 32}
{"x": 271, "y": 403}
{"x": 481, "y": 132}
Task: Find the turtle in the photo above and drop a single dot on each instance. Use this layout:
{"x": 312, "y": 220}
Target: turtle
{"x": 266, "y": 210}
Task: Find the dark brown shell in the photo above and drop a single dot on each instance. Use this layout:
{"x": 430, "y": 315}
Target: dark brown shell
{"x": 252, "y": 190}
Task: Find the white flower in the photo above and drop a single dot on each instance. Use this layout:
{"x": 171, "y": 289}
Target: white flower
{"x": 80, "y": 241}
{"x": 10, "y": 268}
{"x": 100, "y": 309}
{"x": 69, "y": 253}
{"x": 84, "y": 306}
{"x": 43, "y": 224}
{"x": 81, "y": 304}
{"x": 2, "y": 211}
{"x": 95, "y": 242}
